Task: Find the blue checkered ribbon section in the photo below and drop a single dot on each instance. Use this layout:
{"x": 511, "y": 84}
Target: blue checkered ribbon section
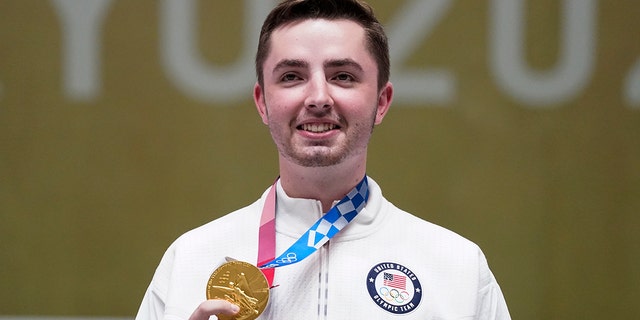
{"x": 326, "y": 228}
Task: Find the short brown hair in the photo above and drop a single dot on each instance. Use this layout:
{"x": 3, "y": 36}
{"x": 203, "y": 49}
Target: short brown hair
{"x": 354, "y": 10}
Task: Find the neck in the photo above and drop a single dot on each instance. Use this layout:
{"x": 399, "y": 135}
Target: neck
{"x": 325, "y": 184}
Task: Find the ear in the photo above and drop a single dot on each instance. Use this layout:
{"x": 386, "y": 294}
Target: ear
{"x": 258, "y": 99}
{"x": 384, "y": 102}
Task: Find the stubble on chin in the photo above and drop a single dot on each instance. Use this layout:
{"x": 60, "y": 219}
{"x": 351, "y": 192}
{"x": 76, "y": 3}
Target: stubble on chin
{"x": 315, "y": 158}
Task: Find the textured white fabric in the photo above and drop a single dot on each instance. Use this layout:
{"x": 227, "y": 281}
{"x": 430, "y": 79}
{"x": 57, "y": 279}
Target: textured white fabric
{"x": 331, "y": 283}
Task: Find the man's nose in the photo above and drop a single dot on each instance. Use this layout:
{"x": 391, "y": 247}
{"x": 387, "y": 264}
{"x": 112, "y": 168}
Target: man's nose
{"x": 318, "y": 94}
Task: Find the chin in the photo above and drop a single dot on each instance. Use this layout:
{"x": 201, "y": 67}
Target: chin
{"x": 318, "y": 160}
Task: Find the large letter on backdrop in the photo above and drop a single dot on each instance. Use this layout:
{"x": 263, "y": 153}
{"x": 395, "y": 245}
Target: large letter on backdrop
{"x": 575, "y": 65}
{"x": 185, "y": 66}
{"x": 407, "y": 30}
{"x": 81, "y": 22}
{"x": 632, "y": 87}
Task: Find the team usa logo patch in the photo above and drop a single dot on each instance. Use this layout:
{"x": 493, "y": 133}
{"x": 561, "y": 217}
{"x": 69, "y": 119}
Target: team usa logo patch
{"x": 394, "y": 288}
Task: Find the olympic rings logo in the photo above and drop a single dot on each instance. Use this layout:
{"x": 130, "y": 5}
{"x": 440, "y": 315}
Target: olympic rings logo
{"x": 394, "y": 295}
{"x": 291, "y": 257}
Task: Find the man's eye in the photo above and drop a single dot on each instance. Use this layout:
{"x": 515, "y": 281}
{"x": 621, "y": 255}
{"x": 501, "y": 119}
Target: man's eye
{"x": 344, "y": 77}
{"x": 290, "y": 77}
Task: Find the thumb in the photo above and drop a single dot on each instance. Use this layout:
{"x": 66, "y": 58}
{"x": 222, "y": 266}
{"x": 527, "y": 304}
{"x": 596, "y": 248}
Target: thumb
{"x": 214, "y": 307}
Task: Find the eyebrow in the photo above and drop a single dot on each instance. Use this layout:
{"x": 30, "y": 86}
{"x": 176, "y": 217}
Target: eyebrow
{"x": 343, "y": 63}
{"x": 297, "y": 63}
{"x": 290, "y": 63}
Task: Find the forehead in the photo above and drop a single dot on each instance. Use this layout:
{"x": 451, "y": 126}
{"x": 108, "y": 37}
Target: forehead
{"x": 319, "y": 40}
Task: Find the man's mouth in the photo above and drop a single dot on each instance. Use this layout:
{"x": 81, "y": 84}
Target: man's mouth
{"x": 317, "y": 127}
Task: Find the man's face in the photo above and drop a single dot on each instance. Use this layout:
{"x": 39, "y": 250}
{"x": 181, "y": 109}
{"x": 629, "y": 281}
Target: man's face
{"x": 320, "y": 96}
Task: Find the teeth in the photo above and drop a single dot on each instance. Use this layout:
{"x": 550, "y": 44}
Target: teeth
{"x": 318, "y": 127}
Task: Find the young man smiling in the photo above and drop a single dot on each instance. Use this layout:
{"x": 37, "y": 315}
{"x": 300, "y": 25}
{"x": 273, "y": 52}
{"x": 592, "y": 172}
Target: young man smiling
{"x": 323, "y": 84}
{"x": 321, "y": 103}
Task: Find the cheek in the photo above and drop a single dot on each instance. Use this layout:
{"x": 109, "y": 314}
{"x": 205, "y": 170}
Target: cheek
{"x": 279, "y": 99}
{"x": 282, "y": 106}
{"x": 277, "y": 116}
{"x": 360, "y": 111}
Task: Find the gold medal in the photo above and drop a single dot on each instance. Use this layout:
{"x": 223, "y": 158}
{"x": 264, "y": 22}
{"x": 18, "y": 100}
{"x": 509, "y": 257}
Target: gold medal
{"x": 240, "y": 283}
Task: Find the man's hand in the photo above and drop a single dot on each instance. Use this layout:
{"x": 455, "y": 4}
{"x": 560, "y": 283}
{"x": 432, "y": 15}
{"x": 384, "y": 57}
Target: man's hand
{"x": 214, "y": 307}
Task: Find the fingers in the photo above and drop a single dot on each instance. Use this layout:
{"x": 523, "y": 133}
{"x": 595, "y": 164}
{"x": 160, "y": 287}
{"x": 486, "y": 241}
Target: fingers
{"x": 214, "y": 307}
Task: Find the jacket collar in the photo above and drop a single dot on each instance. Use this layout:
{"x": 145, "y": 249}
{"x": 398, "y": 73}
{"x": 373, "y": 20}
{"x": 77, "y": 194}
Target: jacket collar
{"x": 294, "y": 216}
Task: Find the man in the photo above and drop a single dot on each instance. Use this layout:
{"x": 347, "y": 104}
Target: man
{"x": 323, "y": 84}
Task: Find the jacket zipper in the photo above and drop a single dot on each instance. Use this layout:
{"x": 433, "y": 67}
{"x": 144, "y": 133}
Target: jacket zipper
{"x": 323, "y": 281}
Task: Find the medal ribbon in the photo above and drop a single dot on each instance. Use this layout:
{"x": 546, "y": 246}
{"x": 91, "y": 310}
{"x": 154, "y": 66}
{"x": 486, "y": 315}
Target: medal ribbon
{"x": 322, "y": 231}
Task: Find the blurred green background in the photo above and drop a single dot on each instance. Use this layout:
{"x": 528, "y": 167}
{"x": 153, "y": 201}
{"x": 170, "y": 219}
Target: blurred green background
{"x": 106, "y": 156}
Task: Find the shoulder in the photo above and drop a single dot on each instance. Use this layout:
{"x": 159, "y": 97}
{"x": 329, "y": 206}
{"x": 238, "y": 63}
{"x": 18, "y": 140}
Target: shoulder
{"x": 441, "y": 249}
{"x": 205, "y": 246}
{"x": 232, "y": 230}
{"x": 428, "y": 232}
{"x": 220, "y": 229}
{"x": 395, "y": 222}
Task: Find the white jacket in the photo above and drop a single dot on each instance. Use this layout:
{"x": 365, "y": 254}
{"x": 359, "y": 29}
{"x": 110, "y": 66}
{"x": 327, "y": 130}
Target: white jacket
{"x": 441, "y": 274}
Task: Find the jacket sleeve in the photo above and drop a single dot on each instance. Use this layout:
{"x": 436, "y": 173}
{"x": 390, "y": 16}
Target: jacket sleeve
{"x": 153, "y": 302}
{"x": 491, "y": 303}
{"x": 152, "y": 306}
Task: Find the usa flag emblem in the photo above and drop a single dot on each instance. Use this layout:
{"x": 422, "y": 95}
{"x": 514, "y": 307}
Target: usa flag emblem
{"x": 395, "y": 280}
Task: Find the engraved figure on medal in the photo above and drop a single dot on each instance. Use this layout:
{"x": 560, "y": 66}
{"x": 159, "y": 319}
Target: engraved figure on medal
{"x": 240, "y": 283}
